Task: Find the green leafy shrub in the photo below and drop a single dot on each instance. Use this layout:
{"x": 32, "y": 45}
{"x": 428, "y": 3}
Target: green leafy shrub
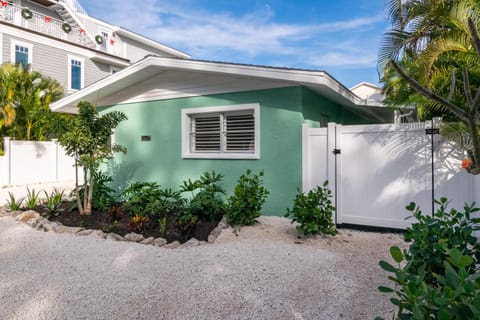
{"x": 141, "y": 198}
{"x": 103, "y": 193}
{"x": 53, "y": 200}
{"x": 32, "y": 198}
{"x": 249, "y": 195}
{"x": 437, "y": 277}
{"x": 431, "y": 237}
{"x": 147, "y": 199}
{"x": 313, "y": 211}
{"x": 206, "y": 202}
{"x": 14, "y": 204}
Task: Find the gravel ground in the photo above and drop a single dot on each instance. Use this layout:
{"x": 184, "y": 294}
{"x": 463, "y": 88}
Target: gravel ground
{"x": 265, "y": 272}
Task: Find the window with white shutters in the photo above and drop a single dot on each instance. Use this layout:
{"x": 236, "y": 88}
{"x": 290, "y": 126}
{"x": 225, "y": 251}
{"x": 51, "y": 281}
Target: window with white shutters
{"x": 221, "y": 132}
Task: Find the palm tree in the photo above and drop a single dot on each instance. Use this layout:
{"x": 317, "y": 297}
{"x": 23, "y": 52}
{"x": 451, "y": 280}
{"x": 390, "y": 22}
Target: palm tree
{"x": 433, "y": 49}
{"x": 8, "y": 76}
{"x": 30, "y": 93}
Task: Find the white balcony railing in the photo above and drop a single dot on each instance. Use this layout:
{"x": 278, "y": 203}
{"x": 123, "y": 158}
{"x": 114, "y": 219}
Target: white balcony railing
{"x": 76, "y": 6}
{"x": 46, "y": 25}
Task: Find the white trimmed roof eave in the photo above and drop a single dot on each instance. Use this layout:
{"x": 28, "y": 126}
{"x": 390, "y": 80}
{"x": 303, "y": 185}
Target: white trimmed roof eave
{"x": 318, "y": 81}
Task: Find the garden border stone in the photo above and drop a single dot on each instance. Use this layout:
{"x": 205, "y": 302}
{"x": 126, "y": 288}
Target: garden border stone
{"x": 36, "y": 221}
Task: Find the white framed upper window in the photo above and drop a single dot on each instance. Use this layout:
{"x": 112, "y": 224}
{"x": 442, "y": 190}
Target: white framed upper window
{"x": 76, "y": 73}
{"x": 227, "y": 132}
{"x": 21, "y": 52}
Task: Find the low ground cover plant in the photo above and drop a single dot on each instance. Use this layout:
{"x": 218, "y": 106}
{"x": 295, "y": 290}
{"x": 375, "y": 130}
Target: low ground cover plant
{"x": 437, "y": 276}
{"x": 147, "y": 208}
{"x": 13, "y": 203}
{"x": 313, "y": 211}
{"x": 249, "y": 195}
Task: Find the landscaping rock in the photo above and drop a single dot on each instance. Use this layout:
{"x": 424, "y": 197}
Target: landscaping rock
{"x": 134, "y": 237}
{"x": 32, "y": 222}
{"x": 27, "y": 215}
{"x": 40, "y": 223}
{"x": 159, "y": 242}
{"x": 192, "y": 243}
{"x": 214, "y": 234}
{"x": 223, "y": 224}
{"x": 114, "y": 237}
{"x": 86, "y": 232}
{"x": 66, "y": 229}
{"x": 173, "y": 245}
{"x": 98, "y": 233}
{"x": 48, "y": 227}
{"x": 16, "y": 213}
{"x": 148, "y": 240}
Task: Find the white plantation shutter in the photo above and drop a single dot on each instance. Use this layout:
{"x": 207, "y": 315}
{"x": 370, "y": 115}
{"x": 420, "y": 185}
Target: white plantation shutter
{"x": 240, "y": 132}
{"x": 206, "y": 134}
{"x": 222, "y": 132}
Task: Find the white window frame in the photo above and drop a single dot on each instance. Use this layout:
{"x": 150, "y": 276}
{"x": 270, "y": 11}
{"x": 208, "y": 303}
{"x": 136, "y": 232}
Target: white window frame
{"x": 69, "y": 73}
{"x": 27, "y": 45}
{"x": 187, "y": 115}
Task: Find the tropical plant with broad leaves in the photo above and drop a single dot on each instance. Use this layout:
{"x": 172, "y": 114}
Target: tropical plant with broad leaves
{"x": 431, "y": 58}
{"x": 88, "y": 142}
{"x": 25, "y": 97}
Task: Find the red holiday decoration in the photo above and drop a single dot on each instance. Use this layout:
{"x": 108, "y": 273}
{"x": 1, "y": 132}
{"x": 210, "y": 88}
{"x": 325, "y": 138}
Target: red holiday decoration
{"x": 112, "y": 42}
{"x": 3, "y": 4}
{"x": 82, "y": 31}
{"x": 467, "y": 163}
{"x": 47, "y": 19}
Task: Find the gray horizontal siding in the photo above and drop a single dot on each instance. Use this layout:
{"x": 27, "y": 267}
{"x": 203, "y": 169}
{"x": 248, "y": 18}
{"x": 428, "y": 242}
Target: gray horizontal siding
{"x": 53, "y": 62}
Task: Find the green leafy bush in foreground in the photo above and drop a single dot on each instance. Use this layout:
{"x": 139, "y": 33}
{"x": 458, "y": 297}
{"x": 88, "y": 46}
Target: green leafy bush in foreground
{"x": 437, "y": 277}
{"x": 249, "y": 195}
{"x": 313, "y": 211}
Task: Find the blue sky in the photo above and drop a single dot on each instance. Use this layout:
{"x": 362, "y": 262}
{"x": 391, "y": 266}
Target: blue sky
{"x": 340, "y": 36}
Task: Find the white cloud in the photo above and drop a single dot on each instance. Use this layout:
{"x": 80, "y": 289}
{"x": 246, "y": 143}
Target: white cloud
{"x": 253, "y": 36}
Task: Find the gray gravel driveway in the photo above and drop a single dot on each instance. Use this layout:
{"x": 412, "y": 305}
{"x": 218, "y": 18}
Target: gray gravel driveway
{"x": 265, "y": 272}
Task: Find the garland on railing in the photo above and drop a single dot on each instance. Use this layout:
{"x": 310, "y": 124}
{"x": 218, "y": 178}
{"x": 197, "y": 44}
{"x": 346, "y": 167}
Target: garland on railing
{"x": 27, "y": 13}
{"x": 66, "y": 28}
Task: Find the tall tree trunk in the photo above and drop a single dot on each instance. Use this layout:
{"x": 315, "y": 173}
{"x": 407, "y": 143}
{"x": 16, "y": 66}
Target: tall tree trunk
{"x": 89, "y": 194}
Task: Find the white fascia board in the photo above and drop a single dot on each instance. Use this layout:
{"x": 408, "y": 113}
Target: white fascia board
{"x": 296, "y": 77}
{"x": 78, "y": 50}
{"x": 150, "y": 42}
{"x": 67, "y": 102}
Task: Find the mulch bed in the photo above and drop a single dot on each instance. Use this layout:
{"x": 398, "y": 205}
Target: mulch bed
{"x": 117, "y": 221}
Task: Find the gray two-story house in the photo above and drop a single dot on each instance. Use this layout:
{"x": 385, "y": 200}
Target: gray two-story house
{"x": 60, "y": 40}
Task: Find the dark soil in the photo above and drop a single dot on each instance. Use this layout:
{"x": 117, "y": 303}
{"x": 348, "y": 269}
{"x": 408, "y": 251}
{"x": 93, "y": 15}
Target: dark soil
{"x": 117, "y": 221}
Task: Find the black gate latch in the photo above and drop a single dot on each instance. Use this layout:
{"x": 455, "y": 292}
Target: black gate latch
{"x": 337, "y": 151}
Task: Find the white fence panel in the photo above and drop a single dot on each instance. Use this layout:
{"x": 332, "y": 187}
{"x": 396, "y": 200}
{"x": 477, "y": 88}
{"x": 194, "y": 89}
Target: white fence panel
{"x": 29, "y": 162}
{"x": 382, "y": 168}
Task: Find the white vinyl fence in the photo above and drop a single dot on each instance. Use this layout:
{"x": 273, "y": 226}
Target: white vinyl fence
{"x": 378, "y": 169}
{"x": 31, "y": 162}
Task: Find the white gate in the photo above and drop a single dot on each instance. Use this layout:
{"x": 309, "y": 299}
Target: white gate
{"x": 376, "y": 170}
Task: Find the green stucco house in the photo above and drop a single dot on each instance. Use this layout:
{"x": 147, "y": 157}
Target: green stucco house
{"x": 186, "y": 117}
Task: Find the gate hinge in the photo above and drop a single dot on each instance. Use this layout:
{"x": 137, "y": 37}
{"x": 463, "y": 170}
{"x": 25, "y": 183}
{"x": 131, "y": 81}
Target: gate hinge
{"x": 337, "y": 151}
